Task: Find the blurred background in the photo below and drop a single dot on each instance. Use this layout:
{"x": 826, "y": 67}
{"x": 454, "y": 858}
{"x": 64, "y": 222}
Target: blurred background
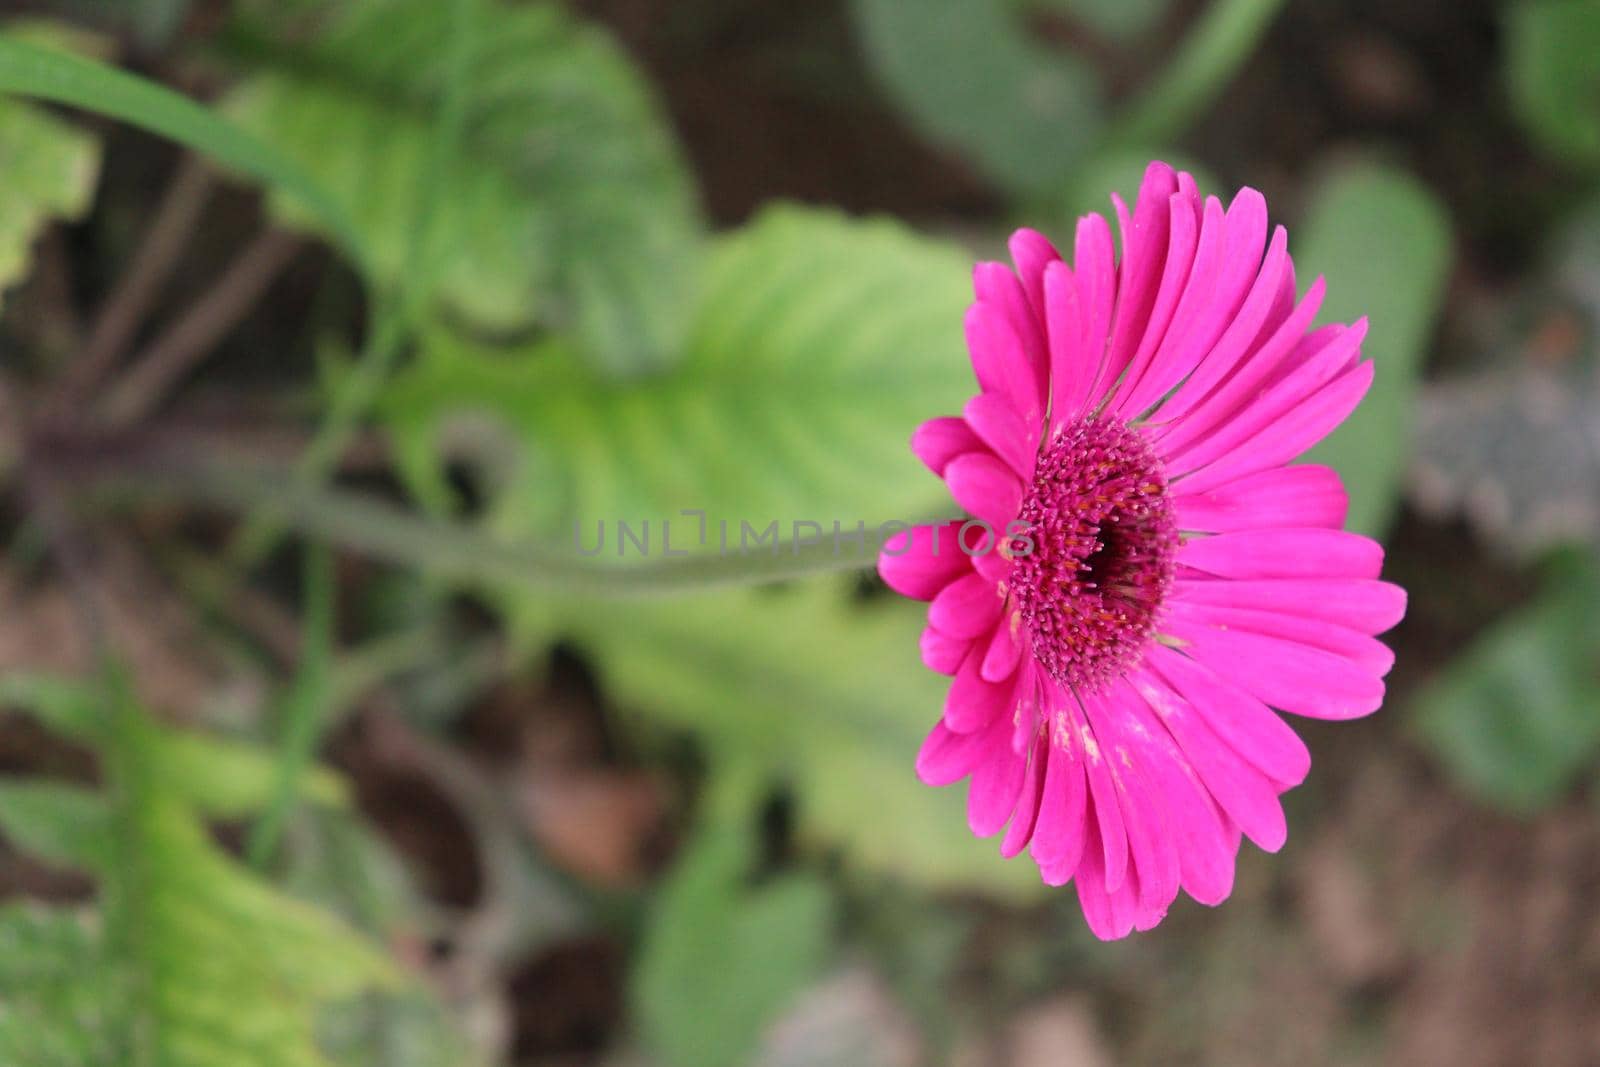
{"x": 323, "y": 322}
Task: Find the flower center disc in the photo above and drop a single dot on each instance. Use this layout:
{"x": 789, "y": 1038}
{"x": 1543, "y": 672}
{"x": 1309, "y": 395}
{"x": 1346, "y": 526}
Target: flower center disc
{"x": 1103, "y": 540}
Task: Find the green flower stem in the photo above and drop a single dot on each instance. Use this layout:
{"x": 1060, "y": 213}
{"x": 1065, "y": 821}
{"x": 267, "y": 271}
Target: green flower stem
{"x": 463, "y": 553}
{"x": 305, "y": 706}
{"x": 1220, "y": 42}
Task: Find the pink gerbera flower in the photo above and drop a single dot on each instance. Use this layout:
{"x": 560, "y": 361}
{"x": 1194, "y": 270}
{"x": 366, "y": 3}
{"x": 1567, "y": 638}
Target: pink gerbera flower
{"x": 1160, "y": 578}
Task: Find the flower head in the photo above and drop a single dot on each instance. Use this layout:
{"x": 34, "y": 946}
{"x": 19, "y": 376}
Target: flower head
{"x": 1145, "y": 577}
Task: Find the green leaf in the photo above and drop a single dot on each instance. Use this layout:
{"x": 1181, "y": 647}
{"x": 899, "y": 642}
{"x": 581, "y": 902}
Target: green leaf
{"x": 29, "y": 70}
{"x": 200, "y": 964}
{"x": 1121, "y": 19}
{"x": 55, "y": 990}
{"x": 805, "y": 684}
{"x": 568, "y": 204}
{"x": 62, "y": 824}
{"x": 222, "y": 778}
{"x": 1554, "y": 79}
{"x": 1516, "y": 717}
{"x": 48, "y": 170}
{"x": 200, "y": 936}
{"x": 1383, "y": 242}
{"x": 967, "y": 74}
{"x": 398, "y": 1029}
{"x": 819, "y": 345}
{"x": 722, "y": 959}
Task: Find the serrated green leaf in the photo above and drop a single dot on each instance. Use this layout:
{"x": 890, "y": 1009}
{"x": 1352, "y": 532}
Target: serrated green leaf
{"x": 967, "y": 74}
{"x": 201, "y": 936}
{"x": 1383, "y": 242}
{"x": 1554, "y": 78}
{"x": 48, "y": 169}
{"x": 56, "y": 989}
{"x": 1516, "y": 717}
{"x": 568, "y": 204}
{"x": 721, "y": 958}
{"x": 819, "y": 345}
{"x": 201, "y": 964}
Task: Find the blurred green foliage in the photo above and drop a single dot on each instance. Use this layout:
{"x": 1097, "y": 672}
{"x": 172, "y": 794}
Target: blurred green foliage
{"x": 1026, "y": 115}
{"x": 724, "y": 953}
{"x": 196, "y": 962}
{"x": 1553, "y": 75}
{"x": 569, "y": 205}
{"x": 1354, "y": 213}
{"x": 818, "y": 346}
{"x": 1516, "y": 717}
{"x": 49, "y": 169}
{"x": 589, "y": 354}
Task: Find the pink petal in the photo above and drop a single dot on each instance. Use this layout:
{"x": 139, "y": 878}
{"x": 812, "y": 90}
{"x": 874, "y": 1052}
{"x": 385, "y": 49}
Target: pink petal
{"x": 1224, "y": 270}
{"x": 1059, "y": 832}
{"x": 1176, "y": 275}
{"x": 946, "y": 756}
{"x": 1279, "y": 496}
{"x": 1294, "y": 677}
{"x": 1188, "y": 442}
{"x": 1240, "y": 721}
{"x": 938, "y": 441}
{"x": 1073, "y": 362}
{"x": 985, "y": 488}
{"x": 999, "y": 427}
{"x": 1024, "y": 818}
{"x": 1205, "y": 849}
{"x": 973, "y": 703}
{"x": 1107, "y": 809}
{"x": 1151, "y": 850}
{"x": 1032, "y": 252}
{"x": 1110, "y": 914}
{"x": 1256, "y": 319}
{"x": 943, "y": 653}
{"x": 1293, "y": 433}
{"x": 1320, "y": 357}
{"x": 1094, "y": 265}
{"x": 997, "y": 287}
{"x": 987, "y": 561}
{"x": 997, "y": 779}
{"x": 1003, "y": 654}
{"x": 1000, "y": 359}
{"x": 967, "y": 607}
{"x": 1368, "y": 606}
{"x": 1284, "y": 553}
{"x": 921, "y": 561}
{"x": 1144, "y": 243}
{"x": 1365, "y": 652}
{"x": 1243, "y": 792}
